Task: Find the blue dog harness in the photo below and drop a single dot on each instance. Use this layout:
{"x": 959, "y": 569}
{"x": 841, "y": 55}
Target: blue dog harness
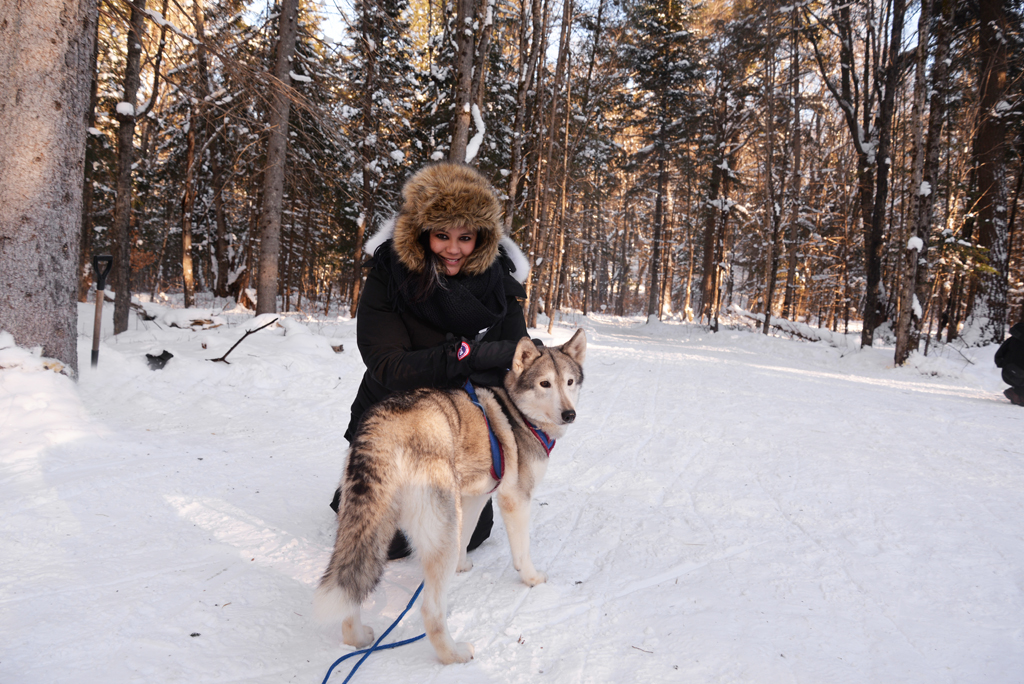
{"x": 497, "y": 453}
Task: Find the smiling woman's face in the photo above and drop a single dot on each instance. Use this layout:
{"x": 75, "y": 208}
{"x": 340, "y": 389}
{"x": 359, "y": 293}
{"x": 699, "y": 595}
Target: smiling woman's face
{"x": 453, "y": 246}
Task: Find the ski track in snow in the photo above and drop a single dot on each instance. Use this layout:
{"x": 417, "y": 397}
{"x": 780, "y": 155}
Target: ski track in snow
{"x": 727, "y": 508}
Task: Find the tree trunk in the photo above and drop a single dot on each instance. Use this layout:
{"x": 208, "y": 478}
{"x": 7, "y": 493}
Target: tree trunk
{"x": 709, "y": 280}
{"x": 654, "y": 295}
{"x": 547, "y": 267}
{"x": 620, "y": 304}
{"x": 668, "y": 253}
{"x": 914, "y": 297}
{"x": 557, "y": 272}
{"x": 587, "y": 258}
{"x": 220, "y": 243}
{"x": 465, "y": 39}
{"x": 85, "y": 273}
{"x": 532, "y": 284}
{"x": 872, "y": 157}
{"x": 988, "y": 315}
{"x": 369, "y": 129}
{"x": 478, "y": 88}
{"x": 277, "y": 151}
{"x": 796, "y": 138}
{"x": 874, "y": 234}
{"x": 526, "y": 73}
{"x": 121, "y": 229}
{"x": 187, "y": 204}
{"x": 46, "y": 50}
{"x": 772, "y": 192}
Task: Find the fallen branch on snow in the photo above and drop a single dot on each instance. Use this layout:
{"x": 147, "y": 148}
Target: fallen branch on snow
{"x": 247, "y": 333}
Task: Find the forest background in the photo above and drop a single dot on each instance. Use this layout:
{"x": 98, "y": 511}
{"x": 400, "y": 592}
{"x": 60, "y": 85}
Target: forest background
{"x": 848, "y": 164}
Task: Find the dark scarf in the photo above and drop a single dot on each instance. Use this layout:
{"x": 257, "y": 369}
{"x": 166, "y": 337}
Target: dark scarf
{"x": 462, "y": 305}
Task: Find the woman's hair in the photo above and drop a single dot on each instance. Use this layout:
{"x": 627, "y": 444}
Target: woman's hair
{"x": 419, "y": 286}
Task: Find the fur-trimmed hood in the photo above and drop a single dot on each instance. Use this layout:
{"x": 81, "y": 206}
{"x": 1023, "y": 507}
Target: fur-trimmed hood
{"x": 446, "y": 196}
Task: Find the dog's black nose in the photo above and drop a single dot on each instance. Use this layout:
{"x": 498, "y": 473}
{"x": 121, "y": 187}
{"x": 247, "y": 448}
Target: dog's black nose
{"x": 568, "y": 416}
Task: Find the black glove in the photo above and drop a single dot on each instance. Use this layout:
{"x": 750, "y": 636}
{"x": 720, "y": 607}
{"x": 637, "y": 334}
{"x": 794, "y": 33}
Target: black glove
{"x": 484, "y": 362}
{"x": 487, "y": 356}
{"x": 489, "y": 378}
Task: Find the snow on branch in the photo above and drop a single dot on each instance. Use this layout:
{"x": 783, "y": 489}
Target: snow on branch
{"x": 474, "y": 144}
{"x": 159, "y": 20}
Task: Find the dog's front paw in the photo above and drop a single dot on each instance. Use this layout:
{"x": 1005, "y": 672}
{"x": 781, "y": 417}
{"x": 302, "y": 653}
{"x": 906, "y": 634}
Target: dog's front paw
{"x": 534, "y": 578}
{"x": 359, "y": 636}
{"x": 463, "y": 652}
{"x": 465, "y": 565}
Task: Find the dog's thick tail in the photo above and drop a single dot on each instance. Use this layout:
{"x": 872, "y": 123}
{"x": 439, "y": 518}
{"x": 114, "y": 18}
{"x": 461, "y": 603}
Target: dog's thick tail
{"x": 367, "y": 521}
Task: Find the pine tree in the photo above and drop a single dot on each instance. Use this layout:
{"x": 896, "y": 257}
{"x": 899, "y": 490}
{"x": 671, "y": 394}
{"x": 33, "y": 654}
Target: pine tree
{"x": 658, "y": 52}
{"x": 382, "y": 83}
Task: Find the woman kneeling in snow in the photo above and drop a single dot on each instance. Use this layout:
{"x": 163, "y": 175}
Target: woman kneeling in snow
{"x": 440, "y": 304}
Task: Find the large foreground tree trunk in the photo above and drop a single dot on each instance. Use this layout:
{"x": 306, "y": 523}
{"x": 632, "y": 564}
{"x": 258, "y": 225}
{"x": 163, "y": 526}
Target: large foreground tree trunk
{"x": 277, "y": 150}
{"x": 46, "y": 56}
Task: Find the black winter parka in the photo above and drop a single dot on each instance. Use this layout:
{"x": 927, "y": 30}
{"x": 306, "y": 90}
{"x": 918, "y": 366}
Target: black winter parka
{"x": 1010, "y": 357}
{"x": 403, "y": 352}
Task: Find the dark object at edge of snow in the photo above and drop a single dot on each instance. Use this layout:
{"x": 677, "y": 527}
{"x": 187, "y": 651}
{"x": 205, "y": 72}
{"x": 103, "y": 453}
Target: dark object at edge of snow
{"x": 158, "y": 362}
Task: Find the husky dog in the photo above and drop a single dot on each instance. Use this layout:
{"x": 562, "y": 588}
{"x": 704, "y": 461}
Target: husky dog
{"x": 421, "y": 461}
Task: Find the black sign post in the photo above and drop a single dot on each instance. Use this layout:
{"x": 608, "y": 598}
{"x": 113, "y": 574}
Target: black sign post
{"x": 101, "y": 267}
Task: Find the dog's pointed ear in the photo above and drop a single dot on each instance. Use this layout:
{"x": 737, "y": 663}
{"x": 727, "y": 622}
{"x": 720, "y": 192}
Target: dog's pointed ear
{"x": 576, "y": 347}
{"x": 526, "y": 353}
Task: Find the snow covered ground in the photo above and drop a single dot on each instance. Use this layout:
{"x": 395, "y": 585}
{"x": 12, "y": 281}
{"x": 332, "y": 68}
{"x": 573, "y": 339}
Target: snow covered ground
{"x": 727, "y": 508}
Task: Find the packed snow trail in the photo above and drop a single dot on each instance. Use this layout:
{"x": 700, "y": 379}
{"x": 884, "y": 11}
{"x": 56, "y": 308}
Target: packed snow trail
{"x": 727, "y": 508}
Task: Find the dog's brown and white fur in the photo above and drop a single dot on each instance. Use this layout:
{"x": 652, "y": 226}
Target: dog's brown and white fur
{"x": 421, "y": 461}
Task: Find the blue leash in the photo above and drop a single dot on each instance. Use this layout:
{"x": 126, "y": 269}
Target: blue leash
{"x": 377, "y": 647}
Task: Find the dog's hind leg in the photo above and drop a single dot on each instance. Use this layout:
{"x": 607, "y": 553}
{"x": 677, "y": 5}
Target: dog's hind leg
{"x": 367, "y": 519}
{"x": 472, "y": 506}
{"x": 435, "y": 534}
{"x": 515, "y": 511}
{"x": 332, "y": 601}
